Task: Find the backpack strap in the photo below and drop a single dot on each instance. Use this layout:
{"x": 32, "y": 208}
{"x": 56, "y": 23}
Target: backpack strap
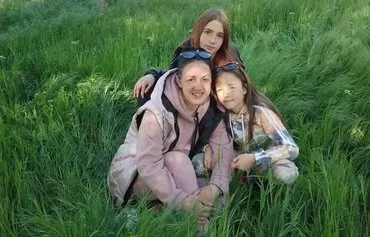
{"x": 169, "y": 107}
{"x": 207, "y": 126}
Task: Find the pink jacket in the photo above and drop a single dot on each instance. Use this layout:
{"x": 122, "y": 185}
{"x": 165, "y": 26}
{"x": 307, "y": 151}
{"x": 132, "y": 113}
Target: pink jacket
{"x": 143, "y": 154}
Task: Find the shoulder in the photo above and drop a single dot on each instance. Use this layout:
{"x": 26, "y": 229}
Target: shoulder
{"x": 263, "y": 111}
{"x": 156, "y": 120}
{"x": 266, "y": 117}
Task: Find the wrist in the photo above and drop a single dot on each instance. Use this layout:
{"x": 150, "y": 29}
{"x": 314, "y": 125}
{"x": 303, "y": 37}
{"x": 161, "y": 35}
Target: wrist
{"x": 215, "y": 189}
{"x": 152, "y": 72}
{"x": 151, "y": 76}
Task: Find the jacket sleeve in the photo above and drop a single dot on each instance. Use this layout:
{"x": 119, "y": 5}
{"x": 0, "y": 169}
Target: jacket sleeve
{"x": 156, "y": 72}
{"x": 222, "y": 155}
{"x": 283, "y": 145}
{"x": 150, "y": 162}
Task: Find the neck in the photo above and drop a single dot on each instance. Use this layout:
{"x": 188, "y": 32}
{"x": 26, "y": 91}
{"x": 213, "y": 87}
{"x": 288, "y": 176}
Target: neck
{"x": 242, "y": 110}
{"x": 192, "y": 108}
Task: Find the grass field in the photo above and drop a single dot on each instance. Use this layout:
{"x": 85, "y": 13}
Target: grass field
{"x": 67, "y": 71}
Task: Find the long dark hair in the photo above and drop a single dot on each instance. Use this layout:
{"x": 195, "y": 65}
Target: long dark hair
{"x": 252, "y": 97}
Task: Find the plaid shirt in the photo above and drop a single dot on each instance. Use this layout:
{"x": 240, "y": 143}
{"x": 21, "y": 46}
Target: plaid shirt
{"x": 271, "y": 140}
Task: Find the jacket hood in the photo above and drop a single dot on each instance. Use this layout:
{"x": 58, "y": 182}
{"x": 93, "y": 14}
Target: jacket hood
{"x": 167, "y": 84}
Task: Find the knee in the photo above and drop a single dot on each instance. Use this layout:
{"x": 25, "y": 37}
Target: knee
{"x": 176, "y": 159}
{"x": 285, "y": 171}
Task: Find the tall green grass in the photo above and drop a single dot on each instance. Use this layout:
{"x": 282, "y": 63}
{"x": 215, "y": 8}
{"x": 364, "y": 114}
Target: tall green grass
{"x": 67, "y": 70}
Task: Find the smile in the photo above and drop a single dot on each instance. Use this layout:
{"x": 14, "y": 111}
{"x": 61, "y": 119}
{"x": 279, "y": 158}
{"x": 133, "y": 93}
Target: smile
{"x": 197, "y": 94}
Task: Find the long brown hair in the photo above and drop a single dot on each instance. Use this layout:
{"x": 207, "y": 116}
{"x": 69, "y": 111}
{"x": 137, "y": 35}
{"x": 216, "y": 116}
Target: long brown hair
{"x": 225, "y": 53}
{"x": 252, "y": 97}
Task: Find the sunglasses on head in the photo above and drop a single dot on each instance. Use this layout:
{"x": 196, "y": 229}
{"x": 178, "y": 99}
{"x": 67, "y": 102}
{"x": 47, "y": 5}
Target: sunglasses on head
{"x": 195, "y": 54}
{"x": 227, "y": 67}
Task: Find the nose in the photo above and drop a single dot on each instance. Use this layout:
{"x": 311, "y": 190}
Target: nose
{"x": 198, "y": 85}
{"x": 212, "y": 38}
{"x": 226, "y": 93}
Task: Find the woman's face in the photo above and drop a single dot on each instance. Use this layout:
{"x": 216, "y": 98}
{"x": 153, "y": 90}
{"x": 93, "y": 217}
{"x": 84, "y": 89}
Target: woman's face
{"x": 230, "y": 91}
{"x": 195, "y": 83}
{"x": 212, "y": 37}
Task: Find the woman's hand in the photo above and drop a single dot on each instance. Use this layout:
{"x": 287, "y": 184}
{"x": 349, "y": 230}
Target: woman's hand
{"x": 243, "y": 161}
{"x": 209, "y": 193}
{"x": 201, "y": 208}
{"x": 143, "y": 85}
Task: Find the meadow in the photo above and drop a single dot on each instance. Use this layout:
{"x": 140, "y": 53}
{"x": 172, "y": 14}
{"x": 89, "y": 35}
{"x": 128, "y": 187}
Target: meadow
{"x": 67, "y": 71}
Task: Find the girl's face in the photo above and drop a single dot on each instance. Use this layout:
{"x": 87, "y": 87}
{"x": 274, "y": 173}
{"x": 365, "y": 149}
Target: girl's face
{"x": 195, "y": 83}
{"x": 230, "y": 91}
{"x": 212, "y": 37}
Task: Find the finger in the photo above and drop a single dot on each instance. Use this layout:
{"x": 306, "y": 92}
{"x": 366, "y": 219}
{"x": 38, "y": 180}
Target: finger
{"x": 142, "y": 92}
{"x": 204, "y": 211}
{"x": 234, "y": 165}
{"x": 135, "y": 91}
{"x": 202, "y": 207}
{"x": 202, "y": 220}
{"x": 203, "y": 214}
{"x": 207, "y": 203}
{"x": 138, "y": 92}
{"x": 147, "y": 88}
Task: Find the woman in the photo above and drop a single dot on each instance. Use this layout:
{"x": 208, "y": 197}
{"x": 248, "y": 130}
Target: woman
{"x": 212, "y": 33}
{"x": 155, "y": 158}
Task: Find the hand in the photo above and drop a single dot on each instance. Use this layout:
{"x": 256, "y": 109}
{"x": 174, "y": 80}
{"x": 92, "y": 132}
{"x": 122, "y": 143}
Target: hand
{"x": 209, "y": 193}
{"x": 143, "y": 85}
{"x": 243, "y": 161}
{"x": 207, "y": 157}
{"x": 201, "y": 208}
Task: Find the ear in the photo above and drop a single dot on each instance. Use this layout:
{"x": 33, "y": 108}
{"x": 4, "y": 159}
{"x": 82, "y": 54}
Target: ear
{"x": 245, "y": 88}
{"x": 177, "y": 78}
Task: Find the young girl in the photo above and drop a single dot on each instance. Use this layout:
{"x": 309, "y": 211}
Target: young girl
{"x": 211, "y": 32}
{"x": 262, "y": 141}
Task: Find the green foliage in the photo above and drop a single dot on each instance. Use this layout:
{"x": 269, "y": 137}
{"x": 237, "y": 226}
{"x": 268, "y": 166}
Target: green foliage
{"x": 67, "y": 70}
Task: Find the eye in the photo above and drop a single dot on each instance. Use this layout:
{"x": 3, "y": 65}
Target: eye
{"x": 207, "y": 32}
{"x": 218, "y": 90}
{"x": 189, "y": 79}
{"x": 206, "y": 79}
{"x": 232, "y": 87}
{"x": 221, "y": 36}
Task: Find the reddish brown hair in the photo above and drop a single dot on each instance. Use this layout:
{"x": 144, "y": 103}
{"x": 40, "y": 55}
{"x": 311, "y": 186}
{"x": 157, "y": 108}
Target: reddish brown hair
{"x": 225, "y": 53}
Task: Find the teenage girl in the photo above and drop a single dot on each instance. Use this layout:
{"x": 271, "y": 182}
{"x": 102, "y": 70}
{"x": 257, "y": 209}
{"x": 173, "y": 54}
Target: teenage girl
{"x": 212, "y": 33}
